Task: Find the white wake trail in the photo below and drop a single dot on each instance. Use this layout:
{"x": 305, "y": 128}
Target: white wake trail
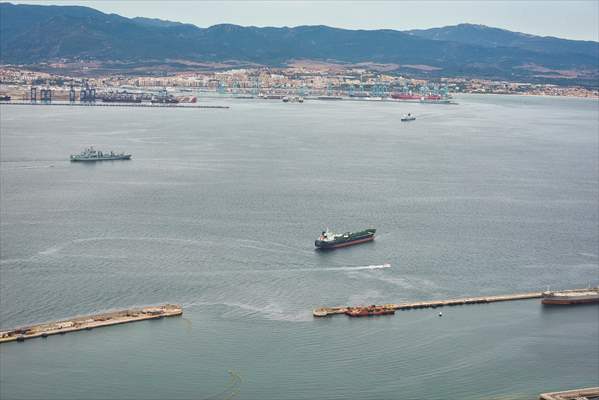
{"x": 382, "y": 266}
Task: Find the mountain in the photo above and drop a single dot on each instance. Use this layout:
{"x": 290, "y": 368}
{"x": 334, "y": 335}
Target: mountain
{"x": 32, "y": 34}
{"x": 482, "y": 35}
{"x": 156, "y": 22}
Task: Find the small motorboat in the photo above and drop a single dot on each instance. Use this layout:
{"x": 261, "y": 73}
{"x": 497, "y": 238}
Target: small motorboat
{"x": 408, "y": 117}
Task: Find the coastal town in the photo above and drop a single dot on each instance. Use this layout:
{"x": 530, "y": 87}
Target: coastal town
{"x": 302, "y": 80}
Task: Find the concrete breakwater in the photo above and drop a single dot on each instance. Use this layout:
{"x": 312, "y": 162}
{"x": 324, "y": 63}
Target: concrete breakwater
{"x": 328, "y": 311}
{"x": 576, "y": 394}
{"x": 90, "y": 321}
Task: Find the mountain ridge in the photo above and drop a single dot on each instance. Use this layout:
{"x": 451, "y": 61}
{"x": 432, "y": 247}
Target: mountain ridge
{"x": 31, "y": 34}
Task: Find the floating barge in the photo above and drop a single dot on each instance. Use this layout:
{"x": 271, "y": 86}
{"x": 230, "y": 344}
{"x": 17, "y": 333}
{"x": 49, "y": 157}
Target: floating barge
{"x": 569, "y": 298}
{"x": 90, "y": 321}
{"x": 328, "y": 311}
{"x": 576, "y": 394}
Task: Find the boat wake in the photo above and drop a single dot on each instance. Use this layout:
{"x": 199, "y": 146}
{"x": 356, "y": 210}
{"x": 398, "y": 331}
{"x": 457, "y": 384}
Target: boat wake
{"x": 358, "y": 268}
{"x": 293, "y": 270}
{"x": 31, "y": 167}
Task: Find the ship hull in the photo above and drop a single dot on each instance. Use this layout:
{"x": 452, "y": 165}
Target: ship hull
{"x": 324, "y": 245}
{"x": 125, "y": 157}
{"x": 571, "y": 300}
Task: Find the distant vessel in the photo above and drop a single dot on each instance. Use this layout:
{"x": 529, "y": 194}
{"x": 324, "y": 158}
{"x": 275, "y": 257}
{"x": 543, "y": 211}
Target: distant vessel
{"x": 272, "y": 96}
{"x": 330, "y": 98}
{"x": 408, "y": 117}
{"x": 331, "y": 240}
{"x": 165, "y": 100}
{"x": 90, "y": 154}
{"x": 121, "y": 97}
{"x": 369, "y": 311}
{"x": 5, "y": 98}
{"x": 590, "y": 295}
{"x": 293, "y": 99}
{"x": 428, "y": 98}
{"x": 405, "y": 96}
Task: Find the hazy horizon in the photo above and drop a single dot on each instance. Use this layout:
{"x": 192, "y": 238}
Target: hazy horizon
{"x": 576, "y": 20}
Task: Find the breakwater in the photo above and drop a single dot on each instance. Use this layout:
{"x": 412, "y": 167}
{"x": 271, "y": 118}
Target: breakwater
{"x": 328, "y": 311}
{"x": 90, "y": 321}
{"x": 576, "y": 394}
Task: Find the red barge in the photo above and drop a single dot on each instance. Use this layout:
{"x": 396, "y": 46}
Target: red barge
{"x": 369, "y": 311}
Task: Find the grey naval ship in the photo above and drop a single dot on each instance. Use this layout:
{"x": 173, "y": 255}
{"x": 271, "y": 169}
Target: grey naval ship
{"x": 91, "y": 154}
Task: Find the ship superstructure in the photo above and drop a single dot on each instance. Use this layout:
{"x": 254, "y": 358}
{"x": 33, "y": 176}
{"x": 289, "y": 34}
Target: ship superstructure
{"x": 331, "y": 240}
{"x": 91, "y": 154}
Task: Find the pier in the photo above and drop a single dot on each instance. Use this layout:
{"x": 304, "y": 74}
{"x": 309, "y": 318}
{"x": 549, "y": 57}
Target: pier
{"x": 591, "y": 393}
{"x": 94, "y": 104}
{"x": 328, "y": 311}
{"x": 90, "y": 321}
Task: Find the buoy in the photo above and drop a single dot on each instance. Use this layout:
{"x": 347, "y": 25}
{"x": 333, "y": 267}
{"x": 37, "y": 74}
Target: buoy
{"x": 440, "y": 314}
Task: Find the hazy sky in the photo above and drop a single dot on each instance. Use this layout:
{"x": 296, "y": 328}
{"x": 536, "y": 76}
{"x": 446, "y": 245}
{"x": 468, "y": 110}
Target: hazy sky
{"x": 567, "y": 19}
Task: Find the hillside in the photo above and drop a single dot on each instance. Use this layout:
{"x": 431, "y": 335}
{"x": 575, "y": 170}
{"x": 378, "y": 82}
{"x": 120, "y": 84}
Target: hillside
{"x": 31, "y": 34}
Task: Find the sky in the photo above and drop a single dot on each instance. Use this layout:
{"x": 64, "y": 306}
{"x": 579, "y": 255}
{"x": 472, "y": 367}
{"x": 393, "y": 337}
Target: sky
{"x": 561, "y": 18}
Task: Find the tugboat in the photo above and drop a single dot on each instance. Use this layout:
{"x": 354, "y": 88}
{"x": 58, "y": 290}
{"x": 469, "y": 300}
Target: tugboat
{"x": 331, "y": 240}
{"x": 90, "y": 154}
{"x": 408, "y": 117}
{"x": 369, "y": 311}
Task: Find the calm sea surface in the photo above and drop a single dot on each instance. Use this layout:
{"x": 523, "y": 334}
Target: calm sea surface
{"x": 218, "y": 211}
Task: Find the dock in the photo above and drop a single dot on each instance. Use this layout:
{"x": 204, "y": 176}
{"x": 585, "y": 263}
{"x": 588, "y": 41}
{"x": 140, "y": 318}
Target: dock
{"x": 99, "y": 104}
{"x": 329, "y": 311}
{"x": 591, "y": 393}
{"x": 90, "y": 321}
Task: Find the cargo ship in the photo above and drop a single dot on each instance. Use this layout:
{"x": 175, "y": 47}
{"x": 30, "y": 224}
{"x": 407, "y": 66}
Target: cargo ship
{"x": 166, "y": 100}
{"x": 330, "y": 240}
{"x": 369, "y": 311}
{"x": 330, "y": 98}
{"x": 90, "y": 154}
{"x": 121, "y": 97}
{"x": 405, "y": 96}
{"x": 584, "y": 296}
{"x": 428, "y": 98}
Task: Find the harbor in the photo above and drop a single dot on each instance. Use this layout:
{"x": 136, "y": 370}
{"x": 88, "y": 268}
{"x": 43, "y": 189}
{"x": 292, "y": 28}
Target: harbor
{"x": 89, "y": 322}
{"x": 386, "y": 309}
{"x": 94, "y": 104}
{"x": 187, "y": 222}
